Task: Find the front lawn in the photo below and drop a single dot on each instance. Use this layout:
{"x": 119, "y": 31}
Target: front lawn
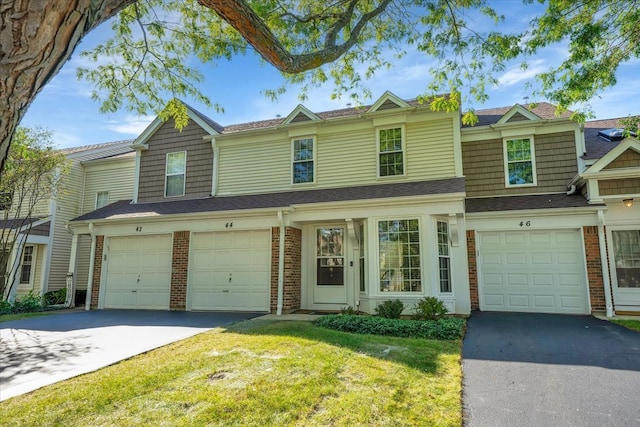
{"x": 17, "y": 316}
{"x": 631, "y": 324}
{"x": 261, "y": 373}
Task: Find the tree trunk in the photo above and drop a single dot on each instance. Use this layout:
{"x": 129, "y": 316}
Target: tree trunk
{"x": 36, "y": 38}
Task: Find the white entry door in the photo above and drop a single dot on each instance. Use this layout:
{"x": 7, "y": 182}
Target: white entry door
{"x": 230, "y": 270}
{"x": 138, "y": 272}
{"x": 329, "y": 268}
{"x": 539, "y": 271}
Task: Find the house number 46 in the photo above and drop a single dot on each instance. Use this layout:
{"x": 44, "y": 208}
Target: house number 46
{"x": 525, "y": 223}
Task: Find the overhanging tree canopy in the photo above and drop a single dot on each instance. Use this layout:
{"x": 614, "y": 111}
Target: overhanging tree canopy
{"x": 311, "y": 41}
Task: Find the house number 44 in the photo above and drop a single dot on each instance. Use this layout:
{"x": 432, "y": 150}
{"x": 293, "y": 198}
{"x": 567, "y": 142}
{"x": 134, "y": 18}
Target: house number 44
{"x": 525, "y": 223}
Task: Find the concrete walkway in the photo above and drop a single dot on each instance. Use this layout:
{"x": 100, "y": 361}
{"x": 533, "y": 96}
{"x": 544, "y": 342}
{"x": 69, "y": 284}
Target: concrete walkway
{"x": 39, "y": 351}
{"x": 549, "y": 370}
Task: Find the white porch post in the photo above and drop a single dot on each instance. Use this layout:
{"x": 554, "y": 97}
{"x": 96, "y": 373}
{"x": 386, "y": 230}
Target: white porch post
{"x": 14, "y": 269}
{"x": 71, "y": 275}
{"x": 605, "y": 265}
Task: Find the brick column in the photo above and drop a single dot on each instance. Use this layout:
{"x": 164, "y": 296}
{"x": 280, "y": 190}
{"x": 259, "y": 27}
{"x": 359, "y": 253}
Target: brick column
{"x": 97, "y": 272}
{"x": 473, "y": 270}
{"x": 594, "y": 268}
{"x": 292, "y": 277}
{"x": 179, "y": 269}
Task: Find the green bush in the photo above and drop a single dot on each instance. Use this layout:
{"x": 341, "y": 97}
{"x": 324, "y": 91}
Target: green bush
{"x": 5, "y": 307}
{"x": 391, "y": 309}
{"x": 55, "y": 297}
{"x": 29, "y": 302}
{"x": 442, "y": 329}
{"x": 429, "y": 308}
{"x": 349, "y": 311}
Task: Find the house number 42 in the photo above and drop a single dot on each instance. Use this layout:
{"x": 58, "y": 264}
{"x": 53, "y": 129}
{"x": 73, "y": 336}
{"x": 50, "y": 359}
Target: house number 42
{"x": 525, "y": 223}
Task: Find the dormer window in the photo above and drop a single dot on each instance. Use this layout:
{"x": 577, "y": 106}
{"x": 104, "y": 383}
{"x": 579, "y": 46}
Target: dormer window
{"x": 519, "y": 159}
{"x": 175, "y": 174}
{"x": 391, "y": 152}
{"x": 303, "y": 160}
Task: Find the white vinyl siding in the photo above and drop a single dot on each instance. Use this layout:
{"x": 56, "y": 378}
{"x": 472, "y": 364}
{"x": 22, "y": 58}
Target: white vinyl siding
{"x": 116, "y": 179}
{"x": 344, "y": 157}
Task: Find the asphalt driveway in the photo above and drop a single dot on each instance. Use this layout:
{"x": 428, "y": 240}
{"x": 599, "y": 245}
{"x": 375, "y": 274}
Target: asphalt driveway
{"x": 549, "y": 370}
{"x": 43, "y": 350}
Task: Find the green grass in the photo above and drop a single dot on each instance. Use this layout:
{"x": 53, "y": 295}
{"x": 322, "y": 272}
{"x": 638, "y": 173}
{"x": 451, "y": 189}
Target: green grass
{"x": 631, "y": 324}
{"x": 261, "y": 373}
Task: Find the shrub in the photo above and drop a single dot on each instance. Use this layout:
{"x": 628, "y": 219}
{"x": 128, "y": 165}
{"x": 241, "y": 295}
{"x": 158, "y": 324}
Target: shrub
{"x": 29, "y": 302}
{"x": 349, "y": 311}
{"x": 391, "y": 309}
{"x": 429, "y": 308}
{"x": 5, "y": 307}
{"x": 55, "y": 297}
{"x": 441, "y": 329}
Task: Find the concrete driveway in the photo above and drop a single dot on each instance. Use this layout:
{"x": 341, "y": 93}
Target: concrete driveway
{"x": 549, "y": 370}
{"x": 43, "y": 350}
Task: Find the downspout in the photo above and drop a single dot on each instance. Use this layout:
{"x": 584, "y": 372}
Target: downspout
{"x": 605, "y": 265}
{"x": 280, "y": 264}
{"x": 92, "y": 262}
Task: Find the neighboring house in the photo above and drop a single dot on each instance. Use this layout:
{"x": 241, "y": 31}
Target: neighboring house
{"x": 43, "y": 257}
{"x": 320, "y": 211}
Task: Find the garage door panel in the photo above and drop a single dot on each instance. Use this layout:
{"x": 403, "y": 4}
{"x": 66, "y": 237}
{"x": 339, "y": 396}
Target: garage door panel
{"x": 138, "y": 274}
{"x": 242, "y": 256}
{"x": 537, "y": 271}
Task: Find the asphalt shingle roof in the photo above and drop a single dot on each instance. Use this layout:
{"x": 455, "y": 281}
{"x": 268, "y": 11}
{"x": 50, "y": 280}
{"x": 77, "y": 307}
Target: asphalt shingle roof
{"x": 537, "y": 201}
{"x": 126, "y": 209}
{"x": 544, "y": 110}
{"x": 595, "y": 145}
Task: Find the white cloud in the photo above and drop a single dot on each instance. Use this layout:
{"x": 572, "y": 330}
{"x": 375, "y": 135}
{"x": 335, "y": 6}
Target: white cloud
{"x": 131, "y": 125}
{"x": 517, "y": 75}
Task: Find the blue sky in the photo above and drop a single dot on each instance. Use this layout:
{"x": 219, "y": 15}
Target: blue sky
{"x": 64, "y": 105}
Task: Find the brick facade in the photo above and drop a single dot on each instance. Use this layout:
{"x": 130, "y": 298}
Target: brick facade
{"x": 97, "y": 272}
{"x": 292, "y": 289}
{"x": 473, "y": 270}
{"x": 179, "y": 270}
{"x": 594, "y": 268}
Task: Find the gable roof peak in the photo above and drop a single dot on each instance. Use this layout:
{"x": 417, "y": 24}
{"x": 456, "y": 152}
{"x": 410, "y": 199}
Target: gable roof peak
{"x": 300, "y": 114}
{"x": 387, "y": 101}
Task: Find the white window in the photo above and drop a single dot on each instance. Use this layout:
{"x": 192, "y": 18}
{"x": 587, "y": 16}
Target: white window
{"x": 399, "y": 255}
{"x": 303, "y": 160}
{"x": 444, "y": 260}
{"x": 391, "y": 159}
{"x": 519, "y": 162}
{"x": 175, "y": 174}
{"x": 27, "y": 261}
{"x": 102, "y": 199}
{"x": 626, "y": 249}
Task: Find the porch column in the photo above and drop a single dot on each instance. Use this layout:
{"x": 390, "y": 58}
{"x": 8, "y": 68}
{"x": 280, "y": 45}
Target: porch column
{"x": 70, "y": 301}
{"x": 14, "y": 269}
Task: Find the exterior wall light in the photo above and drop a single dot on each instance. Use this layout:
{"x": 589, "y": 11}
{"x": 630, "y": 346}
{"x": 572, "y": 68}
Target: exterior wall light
{"x": 628, "y": 202}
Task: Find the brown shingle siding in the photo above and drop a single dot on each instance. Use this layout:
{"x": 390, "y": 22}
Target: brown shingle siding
{"x": 199, "y": 162}
{"x": 483, "y": 164}
{"x": 610, "y": 187}
{"x": 628, "y": 159}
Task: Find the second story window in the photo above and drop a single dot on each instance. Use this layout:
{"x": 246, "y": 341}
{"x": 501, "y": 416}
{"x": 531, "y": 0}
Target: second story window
{"x": 519, "y": 159}
{"x": 303, "y": 161}
{"x": 390, "y": 152}
{"x": 175, "y": 174}
{"x": 102, "y": 199}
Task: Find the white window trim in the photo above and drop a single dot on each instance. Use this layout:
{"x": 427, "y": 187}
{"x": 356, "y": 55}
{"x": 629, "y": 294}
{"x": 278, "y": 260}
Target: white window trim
{"x": 98, "y": 197}
{"x": 404, "y": 151}
{"x": 506, "y": 162}
{"x": 438, "y": 256}
{"x": 33, "y": 258}
{"x": 166, "y": 174}
{"x": 313, "y": 159}
{"x": 423, "y": 278}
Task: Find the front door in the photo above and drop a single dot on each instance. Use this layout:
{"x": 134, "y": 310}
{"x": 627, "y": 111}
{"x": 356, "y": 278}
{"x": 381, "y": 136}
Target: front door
{"x": 329, "y": 269}
{"x": 626, "y": 272}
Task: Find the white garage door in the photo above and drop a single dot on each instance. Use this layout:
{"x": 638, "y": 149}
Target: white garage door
{"x": 230, "y": 271}
{"x": 138, "y": 272}
{"x": 532, "y": 271}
